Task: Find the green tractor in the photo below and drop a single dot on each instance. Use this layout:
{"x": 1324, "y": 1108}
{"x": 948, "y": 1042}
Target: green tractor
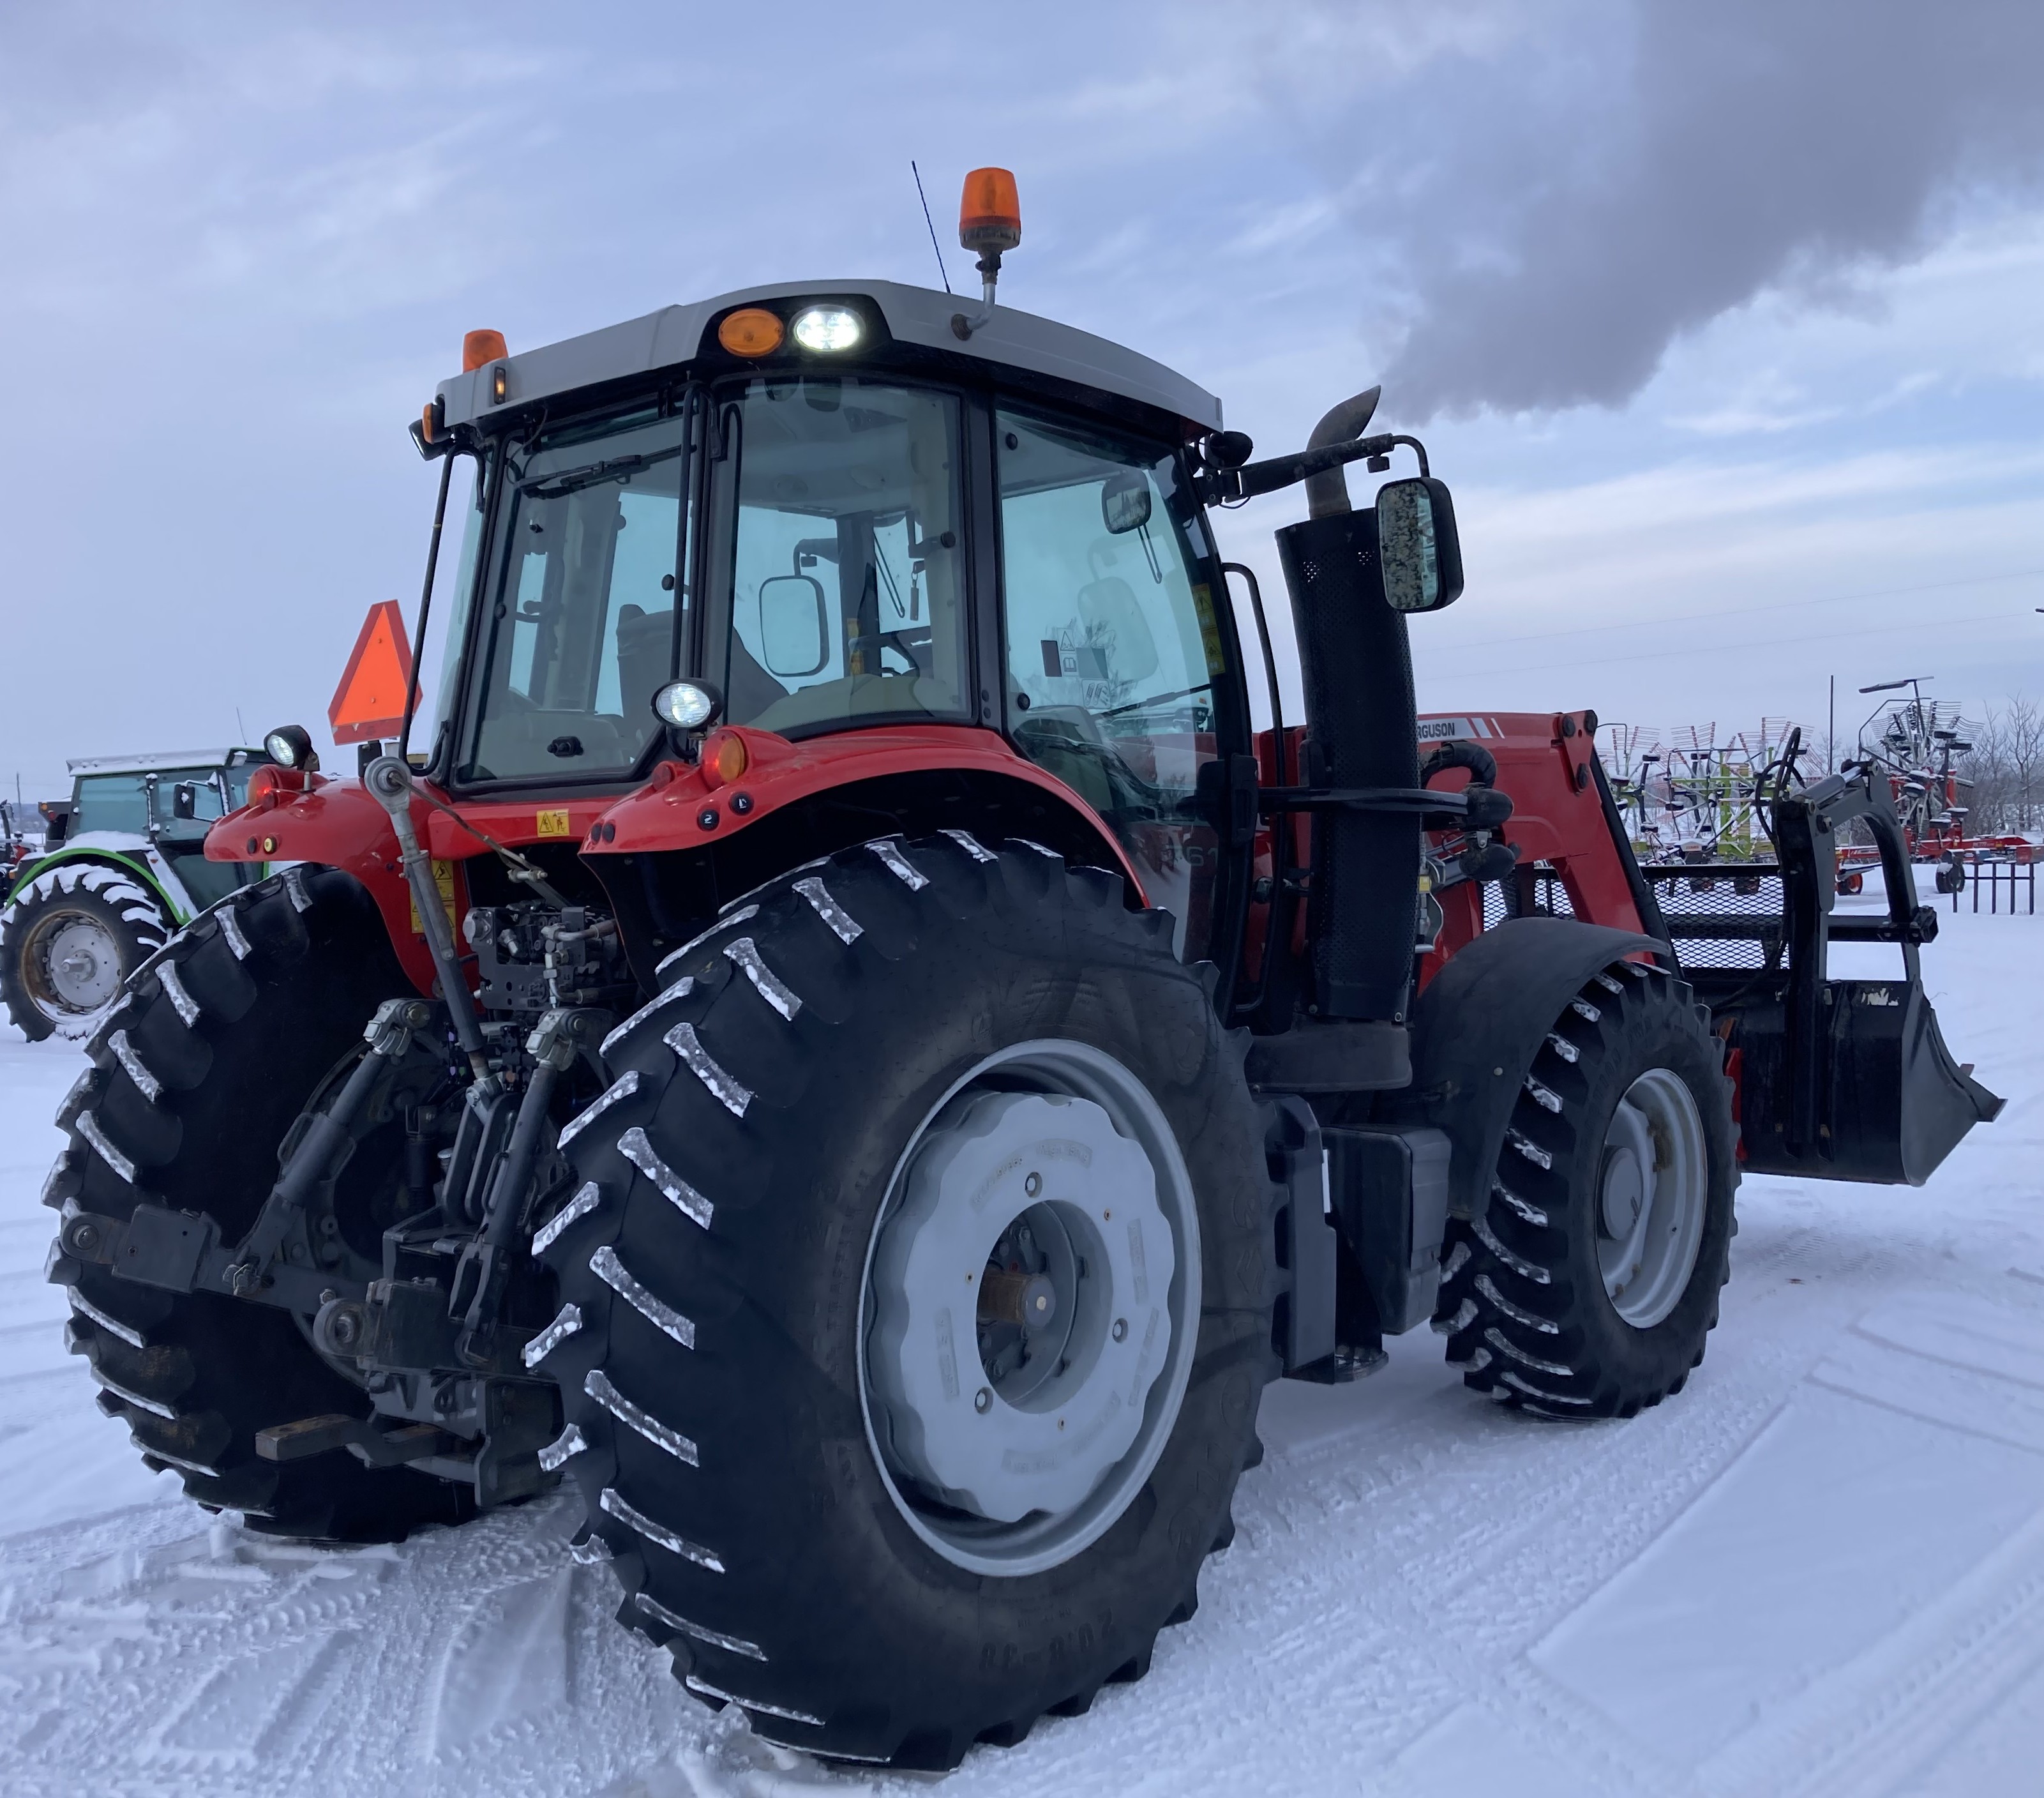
{"x": 123, "y": 865}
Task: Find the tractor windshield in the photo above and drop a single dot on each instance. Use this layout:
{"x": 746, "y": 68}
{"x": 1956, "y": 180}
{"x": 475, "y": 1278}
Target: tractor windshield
{"x": 581, "y": 631}
{"x": 838, "y": 565}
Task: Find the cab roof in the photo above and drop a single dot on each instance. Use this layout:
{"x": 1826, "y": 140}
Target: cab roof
{"x": 163, "y": 760}
{"x": 919, "y": 317}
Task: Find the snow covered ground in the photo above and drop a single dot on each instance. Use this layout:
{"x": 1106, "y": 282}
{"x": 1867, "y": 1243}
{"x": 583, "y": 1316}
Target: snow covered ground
{"x": 1819, "y": 1570}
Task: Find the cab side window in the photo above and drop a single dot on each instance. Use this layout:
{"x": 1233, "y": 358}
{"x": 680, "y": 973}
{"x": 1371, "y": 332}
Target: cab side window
{"x": 1113, "y": 645}
{"x": 111, "y": 802}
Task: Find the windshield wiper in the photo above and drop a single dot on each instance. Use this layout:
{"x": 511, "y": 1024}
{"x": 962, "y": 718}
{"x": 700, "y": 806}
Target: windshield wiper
{"x": 1156, "y": 699}
{"x": 574, "y": 480}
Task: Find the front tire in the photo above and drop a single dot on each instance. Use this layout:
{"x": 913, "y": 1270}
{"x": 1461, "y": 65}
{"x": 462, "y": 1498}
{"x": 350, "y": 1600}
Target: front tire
{"x": 756, "y": 1450}
{"x": 69, "y": 941}
{"x": 1588, "y": 1285}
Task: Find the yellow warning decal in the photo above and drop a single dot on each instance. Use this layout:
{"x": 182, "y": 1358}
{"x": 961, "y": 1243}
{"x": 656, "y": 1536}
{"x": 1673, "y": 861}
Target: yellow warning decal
{"x": 1209, "y": 629}
{"x": 553, "y": 824}
{"x": 442, "y": 878}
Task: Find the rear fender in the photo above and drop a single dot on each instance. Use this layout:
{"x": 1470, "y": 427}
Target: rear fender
{"x": 666, "y": 885}
{"x": 1480, "y": 1022}
{"x": 689, "y": 807}
{"x": 338, "y": 823}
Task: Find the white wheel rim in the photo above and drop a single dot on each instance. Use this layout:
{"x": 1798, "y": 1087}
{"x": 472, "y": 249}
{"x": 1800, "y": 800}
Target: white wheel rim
{"x": 1653, "y": 1188}
{"x": 1010, "y": 1449}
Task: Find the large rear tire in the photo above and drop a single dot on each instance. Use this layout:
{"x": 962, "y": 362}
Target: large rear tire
{"x": 1589, "y": 1282}
{"x": 197, "y": 1074}
{"x": 769, "y": 1398}
{"x": 68, "y": 939}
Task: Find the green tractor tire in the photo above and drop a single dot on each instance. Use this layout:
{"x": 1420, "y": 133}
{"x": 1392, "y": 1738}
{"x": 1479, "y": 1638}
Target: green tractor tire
{"x": 69, "y": 939}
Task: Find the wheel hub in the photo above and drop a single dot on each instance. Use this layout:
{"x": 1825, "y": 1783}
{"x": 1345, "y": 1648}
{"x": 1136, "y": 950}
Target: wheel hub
{"x": 1020, "y": 1305}
{"x": 1624, "y": 1190}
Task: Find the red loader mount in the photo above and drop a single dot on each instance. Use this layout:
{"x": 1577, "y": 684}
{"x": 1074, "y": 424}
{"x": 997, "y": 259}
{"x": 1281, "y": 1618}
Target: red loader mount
{"x": 846, "y": 1047}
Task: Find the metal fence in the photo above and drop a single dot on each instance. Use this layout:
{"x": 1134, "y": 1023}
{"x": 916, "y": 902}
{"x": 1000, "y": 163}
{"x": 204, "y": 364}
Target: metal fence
{"x": 2002, "y": 876}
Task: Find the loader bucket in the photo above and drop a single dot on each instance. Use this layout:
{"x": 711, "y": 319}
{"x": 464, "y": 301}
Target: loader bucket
{"x": 1890, "y": 1102}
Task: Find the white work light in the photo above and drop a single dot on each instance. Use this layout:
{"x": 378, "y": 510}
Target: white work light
{"x": 828, "y": 328}
{"x": 687, "y": 705}
{"x": 289, "y": 746}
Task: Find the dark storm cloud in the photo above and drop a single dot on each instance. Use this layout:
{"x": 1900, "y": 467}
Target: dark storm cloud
{"x": 1582, "y": 197}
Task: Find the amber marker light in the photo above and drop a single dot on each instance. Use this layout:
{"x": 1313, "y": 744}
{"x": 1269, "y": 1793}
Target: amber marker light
{"x": 480, "y": 347}
{"x": 723, "y": 758}
{"x": 751, "y": 331}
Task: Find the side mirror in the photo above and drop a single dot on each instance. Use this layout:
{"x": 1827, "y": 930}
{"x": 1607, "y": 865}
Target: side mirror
{"x": 794, "y": 626}
{"x": 1417, "y": 545}
{"x": 1124, "y": 501}
{"x": 184, "y": 800}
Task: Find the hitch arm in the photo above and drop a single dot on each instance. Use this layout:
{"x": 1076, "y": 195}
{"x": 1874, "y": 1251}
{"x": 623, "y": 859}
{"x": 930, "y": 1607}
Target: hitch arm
{"x": 182, "y": 1251}
{"x": 328, "y": 1137}
{"x": 485, "y": 1267}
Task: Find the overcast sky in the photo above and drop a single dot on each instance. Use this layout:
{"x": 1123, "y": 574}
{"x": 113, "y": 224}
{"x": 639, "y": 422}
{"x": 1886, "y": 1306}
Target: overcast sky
{"x": 1723, "y": 320}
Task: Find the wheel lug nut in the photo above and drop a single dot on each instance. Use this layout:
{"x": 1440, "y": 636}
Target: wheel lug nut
{"x": 982, "y": 1400}
{"x": 1121, "y": 1330}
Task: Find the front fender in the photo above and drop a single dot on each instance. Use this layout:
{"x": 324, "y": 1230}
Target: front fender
{"x": 1480, "y": 1022}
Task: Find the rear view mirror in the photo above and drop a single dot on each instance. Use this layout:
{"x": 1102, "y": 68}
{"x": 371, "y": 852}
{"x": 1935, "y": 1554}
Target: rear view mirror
{"x": 1419, "y": 550}
{"x": 184, "y": 800}
{"x": 794, "y": 626}
{"x": 1124, "y": 501}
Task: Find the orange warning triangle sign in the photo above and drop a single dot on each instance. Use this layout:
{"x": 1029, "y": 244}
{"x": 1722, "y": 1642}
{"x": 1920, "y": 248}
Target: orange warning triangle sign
{"x": 370, "y": 701}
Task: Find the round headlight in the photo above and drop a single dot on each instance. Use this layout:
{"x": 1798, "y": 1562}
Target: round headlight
{"x": 289, "y": 745}
{"x": 687, "y": 705}
{"x": 828, "y": 328}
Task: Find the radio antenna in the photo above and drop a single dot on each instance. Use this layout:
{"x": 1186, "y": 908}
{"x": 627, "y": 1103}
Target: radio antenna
{"x": 943, "y": 274}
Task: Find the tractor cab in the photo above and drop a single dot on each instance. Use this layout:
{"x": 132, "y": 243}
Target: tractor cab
{"x": 832, "y": 513}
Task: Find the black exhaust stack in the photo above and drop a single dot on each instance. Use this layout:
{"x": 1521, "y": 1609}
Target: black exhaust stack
{"x": 1357, "y": 670}
{"x": 1360, "y": 732}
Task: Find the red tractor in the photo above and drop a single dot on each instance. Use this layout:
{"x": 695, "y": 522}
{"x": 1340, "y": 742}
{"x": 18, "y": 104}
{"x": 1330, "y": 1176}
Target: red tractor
{"x": 847, "y": 1046}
